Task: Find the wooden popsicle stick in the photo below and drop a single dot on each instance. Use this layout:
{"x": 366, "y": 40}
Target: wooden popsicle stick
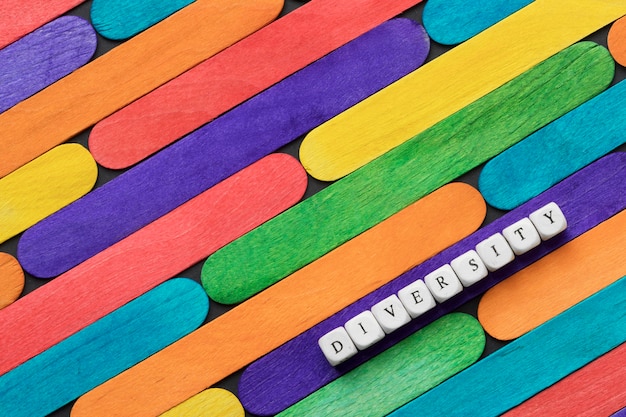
{"x": 233, "y": 76}
{"x": 157, "y": 252}
{"x": 617, "y": 41}
{"x": 19, "y": 17}
{"x": 104, "y": 349}
{"x": 11, "y": 280}
{"x": 118, "y": 19}
{"x": 556, "y": 151}
{"x": 468, "y": 72}
{"x": 531, "y": 363}
{"x": 295, "y": 370}
{"x": 124, "y": 74}
{"x": 579, "y": 269}
{"x": 597, "y": 389}
{"x": 44, "y": 186}
{"x": 251, "y": 131}
{"x": 288, "y": 308}
{"x": 212, "y": 402}
{"x": 393, "y": 181}
{"x": 451, "y": 22}
{"x": 400, "y": 374}
{"x": 43, "y": 57}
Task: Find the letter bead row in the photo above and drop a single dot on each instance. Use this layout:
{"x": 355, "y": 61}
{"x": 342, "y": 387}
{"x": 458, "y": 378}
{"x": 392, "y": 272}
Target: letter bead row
{"x": 491, "y": 254}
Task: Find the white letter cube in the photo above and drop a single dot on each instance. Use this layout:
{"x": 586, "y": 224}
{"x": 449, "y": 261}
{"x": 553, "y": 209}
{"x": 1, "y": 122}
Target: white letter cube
{"x": 549, "y": 220}
{"x": 337, "y": 346}
{"x": 443, "y": 283}
{"x": 364, "y": 330}
{"x": 416, "y": 298}
{"x": 469, "y": 268}
{"x": 522, "y": 236}
{"x": 390, "y": 314}
{"x": 495, "y": 252}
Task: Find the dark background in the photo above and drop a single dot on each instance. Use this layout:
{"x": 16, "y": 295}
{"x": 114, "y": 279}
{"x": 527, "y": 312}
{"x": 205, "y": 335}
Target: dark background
{"x": 105, "y": 175}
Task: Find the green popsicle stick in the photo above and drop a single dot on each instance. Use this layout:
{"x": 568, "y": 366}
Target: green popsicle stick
{"x": 401, "y": 373}
{"x": 405, "y": 174}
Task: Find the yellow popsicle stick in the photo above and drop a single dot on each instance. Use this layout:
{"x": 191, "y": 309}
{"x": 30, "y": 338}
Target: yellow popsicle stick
{"x": 451, "y": 82}
{"x": 44, "y": 186}
{"x": 212, "y": 402}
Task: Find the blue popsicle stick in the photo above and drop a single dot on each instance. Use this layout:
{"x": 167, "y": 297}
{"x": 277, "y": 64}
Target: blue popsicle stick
{"x": 531, "y": 363}
{"x": 106, "y": 348}
{"x": 451, "y": 22}
{"x": 558, "y": 150}
{"x": 122, "y": 19}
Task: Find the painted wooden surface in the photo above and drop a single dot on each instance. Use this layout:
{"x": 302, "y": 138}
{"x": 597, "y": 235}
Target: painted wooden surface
{"x": 20, "y": 17}
{"x": 620, "y": 413}
{"x": 400, "y": 374}
{"x": 100, "y": 351}
{"x": 254, "y": 328}
{"x": 119, "y": 19}
{"x": 451, "y": 22}
{"x": 237, "y": 139}
{"x": 233, "y": 76}
{"x": 617, "y": 41}
{"x": 157, "y": 252}
{"x": 388, "y": 184}
{"x": 44, "y": 186}
{"x": 531, "y": 363}
{"x": 11, "y": 280}
{"x": 579, "y": 269}
{"x": 468, "y": 72}
{"x": 124, "y": 74}
{"x": 212, "y": 402}
{"x": 597, "y": 389}
{"x": 43, "y": 57}
{"x": 556, "y": 151}
{"x": 297, "y": 368}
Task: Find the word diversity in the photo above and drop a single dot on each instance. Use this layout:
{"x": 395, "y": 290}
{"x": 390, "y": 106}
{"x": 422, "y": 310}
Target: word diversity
{"x": 370, "y": 326}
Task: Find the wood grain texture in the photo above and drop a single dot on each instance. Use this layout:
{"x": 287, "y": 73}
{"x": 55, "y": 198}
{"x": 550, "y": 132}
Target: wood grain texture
{"x": 597, "y": 389}
{"x": 124, "y": 74}
{"x": 104, "y": 349}
{"x": 617, "y": 41}
{"x": 531, "y": 363}
{"x": 451, "y": 22}
{"x": 20, "y": 17}
{"x": 233, "y": 76}
{"x": 11, "y": 280}
{"x": 235, "y": 140}
{"x": 556, "y": 151}
{"x": 395, "y": 180}
{"x": 296, "y": 369}
{"x": 43, "y": 57}
{"x": 212, "y": 402}
{"x": 579, "y": 269}
{"x": 155, "y": 253}
{"x": 254, "y": 328}
{"x": 119, "y": 19}
{"x": 44, "y": 186}
{"x": 400, "y": 374}
{"x": 468, "y": 72}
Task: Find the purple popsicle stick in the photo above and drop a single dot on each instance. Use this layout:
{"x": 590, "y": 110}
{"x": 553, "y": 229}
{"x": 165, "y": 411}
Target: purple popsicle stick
{"x": 43, "y": 57}
{"x": 223, "y": 147}
{"x": 298, "y": 368}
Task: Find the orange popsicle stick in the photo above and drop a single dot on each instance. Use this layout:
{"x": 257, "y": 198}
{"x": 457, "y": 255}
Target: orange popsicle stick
{"x": 126, "y": 73}
{"x": 617, "y": 41}
{"x": 551, "y": 285}
{"x": 11, "y": 279}
{"x": 289, "y": 307}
